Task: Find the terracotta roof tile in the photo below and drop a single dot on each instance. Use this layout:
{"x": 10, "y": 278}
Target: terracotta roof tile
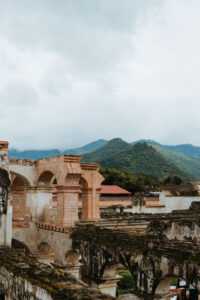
{"x": 113, "y": 189}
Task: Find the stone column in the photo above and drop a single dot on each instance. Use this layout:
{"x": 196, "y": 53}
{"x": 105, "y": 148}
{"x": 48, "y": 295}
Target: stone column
{"x": 90, "y": 204}
{"x": 5, "y": 209}
{"x": 107, "y": 286}
{"x": 18, "y": 203}
{"x": 67, "y": 209}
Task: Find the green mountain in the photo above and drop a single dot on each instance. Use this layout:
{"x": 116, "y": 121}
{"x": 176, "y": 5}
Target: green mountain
{"x": 187, "y": 149}
{"x": 143, "y": 158}
{"x": 39, "y": 154}
{"x": 184, "y": 162}
{"x": 110, "y": 148}
{"x": 186, "y": 158}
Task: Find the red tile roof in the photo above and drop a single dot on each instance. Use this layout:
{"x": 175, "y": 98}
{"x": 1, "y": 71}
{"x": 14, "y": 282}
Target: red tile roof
{"x": 113, "y": 189}
{"x": 105, "y": 189}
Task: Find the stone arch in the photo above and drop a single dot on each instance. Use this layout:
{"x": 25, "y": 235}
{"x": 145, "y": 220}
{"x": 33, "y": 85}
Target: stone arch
{"x": 72, "y": 258}
{"x": 45, "y": 178}
{"x": 114, "y": 274}
{"x": 45, "y": 253}
{"x": 20, "y": 245}
{"x": 18, "y": 190}
{"x": 110, "y": 269}
{"x": 163, "y": 285}
{"x": 90, "y": 186}
{"x": 84, "y": 197}
{"x": 15, "y": 175}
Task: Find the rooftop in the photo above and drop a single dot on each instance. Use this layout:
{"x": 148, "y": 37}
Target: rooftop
{"x": 113, "y": 189}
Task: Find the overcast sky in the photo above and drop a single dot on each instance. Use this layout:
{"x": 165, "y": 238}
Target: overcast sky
{"x": 74, "y": 71}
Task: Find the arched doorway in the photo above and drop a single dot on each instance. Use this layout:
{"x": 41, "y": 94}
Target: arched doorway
{"x": 84, "y": 199}
{"x": 46, "y": 198}
{"x": 45, "y": 179}
{"x": 18, "y": 195}
{"x": 72, "y": 260}
{"x": 20, "y": 246}
{"x": 45, "y": 253}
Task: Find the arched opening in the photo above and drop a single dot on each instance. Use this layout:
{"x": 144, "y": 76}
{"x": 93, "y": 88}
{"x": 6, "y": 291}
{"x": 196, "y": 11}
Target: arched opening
{"x": 19, "y": 246}
{"x": 45, "y": 253}
{"x": 54, "y": 192}
{"x": 126, "y": 285}
{"x": 45, "y": 179}
{"x": 73, "y": 265}
{"x": 47, "y": 195}
{"x": 18, "y": 195}
{"x": 119, "y": 280}
{"x": 83, "y": 199}
{"x": 170, "y": 287}
{"x": 84, "y": 270}
{"x": 72, "y": 258}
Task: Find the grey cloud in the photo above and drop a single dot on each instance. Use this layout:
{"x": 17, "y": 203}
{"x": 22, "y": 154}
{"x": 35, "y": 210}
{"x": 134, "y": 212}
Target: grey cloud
{"x": 17, "y": 94}
{"x": 74, "y": 71}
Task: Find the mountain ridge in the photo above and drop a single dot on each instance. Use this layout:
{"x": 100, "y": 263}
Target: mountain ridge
{"x": 101, "y": 150}
{"x": 39, "y": 154}
{"x": 142, "y": 158}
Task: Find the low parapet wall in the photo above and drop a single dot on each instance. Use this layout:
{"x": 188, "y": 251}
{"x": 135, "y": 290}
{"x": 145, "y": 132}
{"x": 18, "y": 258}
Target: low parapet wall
{"x": 23, "y": 277}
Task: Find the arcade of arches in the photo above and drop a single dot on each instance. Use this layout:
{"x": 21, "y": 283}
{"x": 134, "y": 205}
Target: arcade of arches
{"x": 33, "y": 197}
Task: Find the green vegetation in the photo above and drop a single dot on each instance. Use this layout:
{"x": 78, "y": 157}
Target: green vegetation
{"x": 185, "y": 163}
{"x": 143, "y": 158}
{"x": 126, "y": 285}
{"x": 128, "y": 181}
{"x": 171, "y": 180}
{"x": 187, "y": 149}
{"x": 112, "y": 147}
{"x": 181, "y": 160}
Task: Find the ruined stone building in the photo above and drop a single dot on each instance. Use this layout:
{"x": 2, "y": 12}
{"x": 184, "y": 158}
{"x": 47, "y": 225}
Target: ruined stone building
{"x": 53, "y": 251}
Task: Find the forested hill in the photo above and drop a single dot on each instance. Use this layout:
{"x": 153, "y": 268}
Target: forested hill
{"x": 187, "y": 149}
{"x": 110, "y": 148}
{"x": 39, "y": 154}
{"x": 143, "y": 158}
{"x": 184, "y": 162}
{"x": 184, "y": 158}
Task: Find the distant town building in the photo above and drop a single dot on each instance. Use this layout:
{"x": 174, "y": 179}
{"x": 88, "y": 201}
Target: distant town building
{"x": 170, "y": 198}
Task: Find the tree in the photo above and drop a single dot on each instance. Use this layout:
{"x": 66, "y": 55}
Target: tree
{"x": 133, "y": 183}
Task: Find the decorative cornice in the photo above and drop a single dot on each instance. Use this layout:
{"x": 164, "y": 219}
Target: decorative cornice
{"x": 4, "y": 145}
{"x": 21, "y": 162}
{"x": 90, "y": 166}
{"x": 72, "y": 158}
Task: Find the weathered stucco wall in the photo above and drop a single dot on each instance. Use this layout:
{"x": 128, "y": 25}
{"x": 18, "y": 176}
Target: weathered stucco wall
{"x": 22, "y": 276}
{"x": 25, "y": 168}
{"x": 36, "y": 201}
{"x": 32, "y": 237}
{"x": 15, "y": 287}
{"x": 167, "y": 203}
{"x": 175, "y": 202}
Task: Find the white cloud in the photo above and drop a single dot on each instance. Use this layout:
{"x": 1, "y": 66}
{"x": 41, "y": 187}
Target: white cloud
{"x": 75, "y": 71}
